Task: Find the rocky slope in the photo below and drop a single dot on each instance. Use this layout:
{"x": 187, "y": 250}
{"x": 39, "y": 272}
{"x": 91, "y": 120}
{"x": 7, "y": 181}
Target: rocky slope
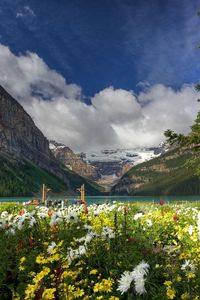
{"x": 23, "y": 148}
{"x": 21, "y": 138}
{"x": 73, "y": 161}
{"x": 167, "y": 174}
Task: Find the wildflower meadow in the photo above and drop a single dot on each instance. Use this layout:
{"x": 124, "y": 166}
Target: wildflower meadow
{"x": 111, "y": 251}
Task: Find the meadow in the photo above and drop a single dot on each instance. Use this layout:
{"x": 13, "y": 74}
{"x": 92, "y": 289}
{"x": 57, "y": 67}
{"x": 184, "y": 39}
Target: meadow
{"x": 109, "y": 251}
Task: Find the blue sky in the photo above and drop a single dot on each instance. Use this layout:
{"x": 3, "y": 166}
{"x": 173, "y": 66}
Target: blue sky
{"x": 98, "y": 43}
{"x": 102, "y": 73}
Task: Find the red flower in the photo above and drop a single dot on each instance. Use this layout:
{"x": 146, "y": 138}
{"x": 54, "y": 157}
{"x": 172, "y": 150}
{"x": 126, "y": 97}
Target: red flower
{"x": 161, "y": 202}
{"x": 175, "y": 217}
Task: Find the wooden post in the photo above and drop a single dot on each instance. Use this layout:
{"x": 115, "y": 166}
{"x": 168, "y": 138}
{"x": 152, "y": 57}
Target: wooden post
{"x": 82, "y": 191}
{"x": 43, "y": 194}
{"x": 45, "y": 189}
{"x": 82, "y": 194}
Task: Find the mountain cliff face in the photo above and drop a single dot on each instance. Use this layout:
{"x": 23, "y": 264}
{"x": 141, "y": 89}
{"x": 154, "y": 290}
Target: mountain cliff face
{"x": 73, "y": 161}
{"x": 167, "y": 174}
{"x": 25, "y": 158}
{"x": 21, "y": 138}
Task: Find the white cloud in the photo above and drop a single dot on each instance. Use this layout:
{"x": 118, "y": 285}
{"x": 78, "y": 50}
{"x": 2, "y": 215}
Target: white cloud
{"x": 25, "y": 12}
{"x": 56, "y": 107}
{"x": 115, "y": 118}
{"x": 117, "y": 106}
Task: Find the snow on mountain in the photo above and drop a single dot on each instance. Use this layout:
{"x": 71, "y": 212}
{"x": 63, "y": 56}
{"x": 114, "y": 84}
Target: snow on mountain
{"x": 132, "y": 156}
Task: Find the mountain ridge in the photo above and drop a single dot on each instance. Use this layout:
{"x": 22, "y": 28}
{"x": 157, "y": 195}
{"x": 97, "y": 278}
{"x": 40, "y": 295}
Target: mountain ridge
{"x": 23, "y": 145}
{"x": 167, "y": 174}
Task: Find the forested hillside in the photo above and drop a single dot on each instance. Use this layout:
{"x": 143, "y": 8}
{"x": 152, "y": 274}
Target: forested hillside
{"x": 168, "y": 174}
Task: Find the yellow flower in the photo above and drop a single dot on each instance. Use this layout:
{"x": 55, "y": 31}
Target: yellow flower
{"x": 41, "y": 275}
{"x": 107, "y": 285}
{"x": 168, "y": 283}
{"x": 104, "y": 286}
{"x": 22, "y": 260}
{"x": 171, "y": 293}
{"x": 97, "y": 287}
{"x": 54, "y": 257}
{"x": 178, "y": 278}
{"x": 78, "y": 293}
{"x": 93, "y": 272}
{"x": 40, "y": 259}
{"x": 191, "y": 275}
{"x": 30, "y": 292}
{"x": 185, "y": 296}
{"x": 70, "y": 288}
{"x": 113, "y": 298}
{"x": 48, "y": 294}
{"x": 69, "y": 273}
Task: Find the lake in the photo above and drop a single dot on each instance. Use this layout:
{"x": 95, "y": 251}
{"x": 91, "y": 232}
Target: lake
{"x": 110, "y": 199}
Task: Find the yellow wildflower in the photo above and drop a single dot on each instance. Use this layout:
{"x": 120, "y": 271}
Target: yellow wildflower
{"x": 78, "y": 293}
{"x": 70, "y": 288}
{"x": 171, "y": 293}
{"x": 185, "y": 296}
{"x": 41, "y": 275}
{"x": 40, "y": 259}
{"x": 190, "y": 275}
{"x": 30, "y": 292}
{"x": 22, "y": 260}
{"x": 48, "y": 294}
{"x": 104, "y": 286}
{"x": 178, "y": 278}
{"x": 54, "y": 257}
{"x": 168, "y": 283}
{"x": 97, "y": 287}
{"x": 93, "y": 272}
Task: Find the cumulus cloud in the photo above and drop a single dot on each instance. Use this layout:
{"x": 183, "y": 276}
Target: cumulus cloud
{"x": 115, "y": 117}
{"x": 56, "y": 107}
{"x": 117, "y": 106}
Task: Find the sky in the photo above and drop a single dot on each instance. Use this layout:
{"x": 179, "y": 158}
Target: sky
{"x": 102, "y": 74}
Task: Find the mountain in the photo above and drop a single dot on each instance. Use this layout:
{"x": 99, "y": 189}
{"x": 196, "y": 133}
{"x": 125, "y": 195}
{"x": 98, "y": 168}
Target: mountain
{"x": 25, "y": 158}
{"x": 104, "y": 166}
{"x": 167, "y": 174}
{"x": 73, "y": 161}
{"x": 113, "y": 163}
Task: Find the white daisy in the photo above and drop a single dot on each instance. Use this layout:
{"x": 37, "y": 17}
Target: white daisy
{"x": 72, "y": 217}
{"x": 188, "y": 266}
{"x": 138, "y": 216}
{"x": 51, "y": 247}
{"x": 142, "y": 268}
{"x": 138, "y": 276}
{"x": 125, "y": 282}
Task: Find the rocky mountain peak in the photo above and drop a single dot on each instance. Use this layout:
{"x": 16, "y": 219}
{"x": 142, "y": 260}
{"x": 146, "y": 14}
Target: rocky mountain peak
{"x": 73, "y": 161}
